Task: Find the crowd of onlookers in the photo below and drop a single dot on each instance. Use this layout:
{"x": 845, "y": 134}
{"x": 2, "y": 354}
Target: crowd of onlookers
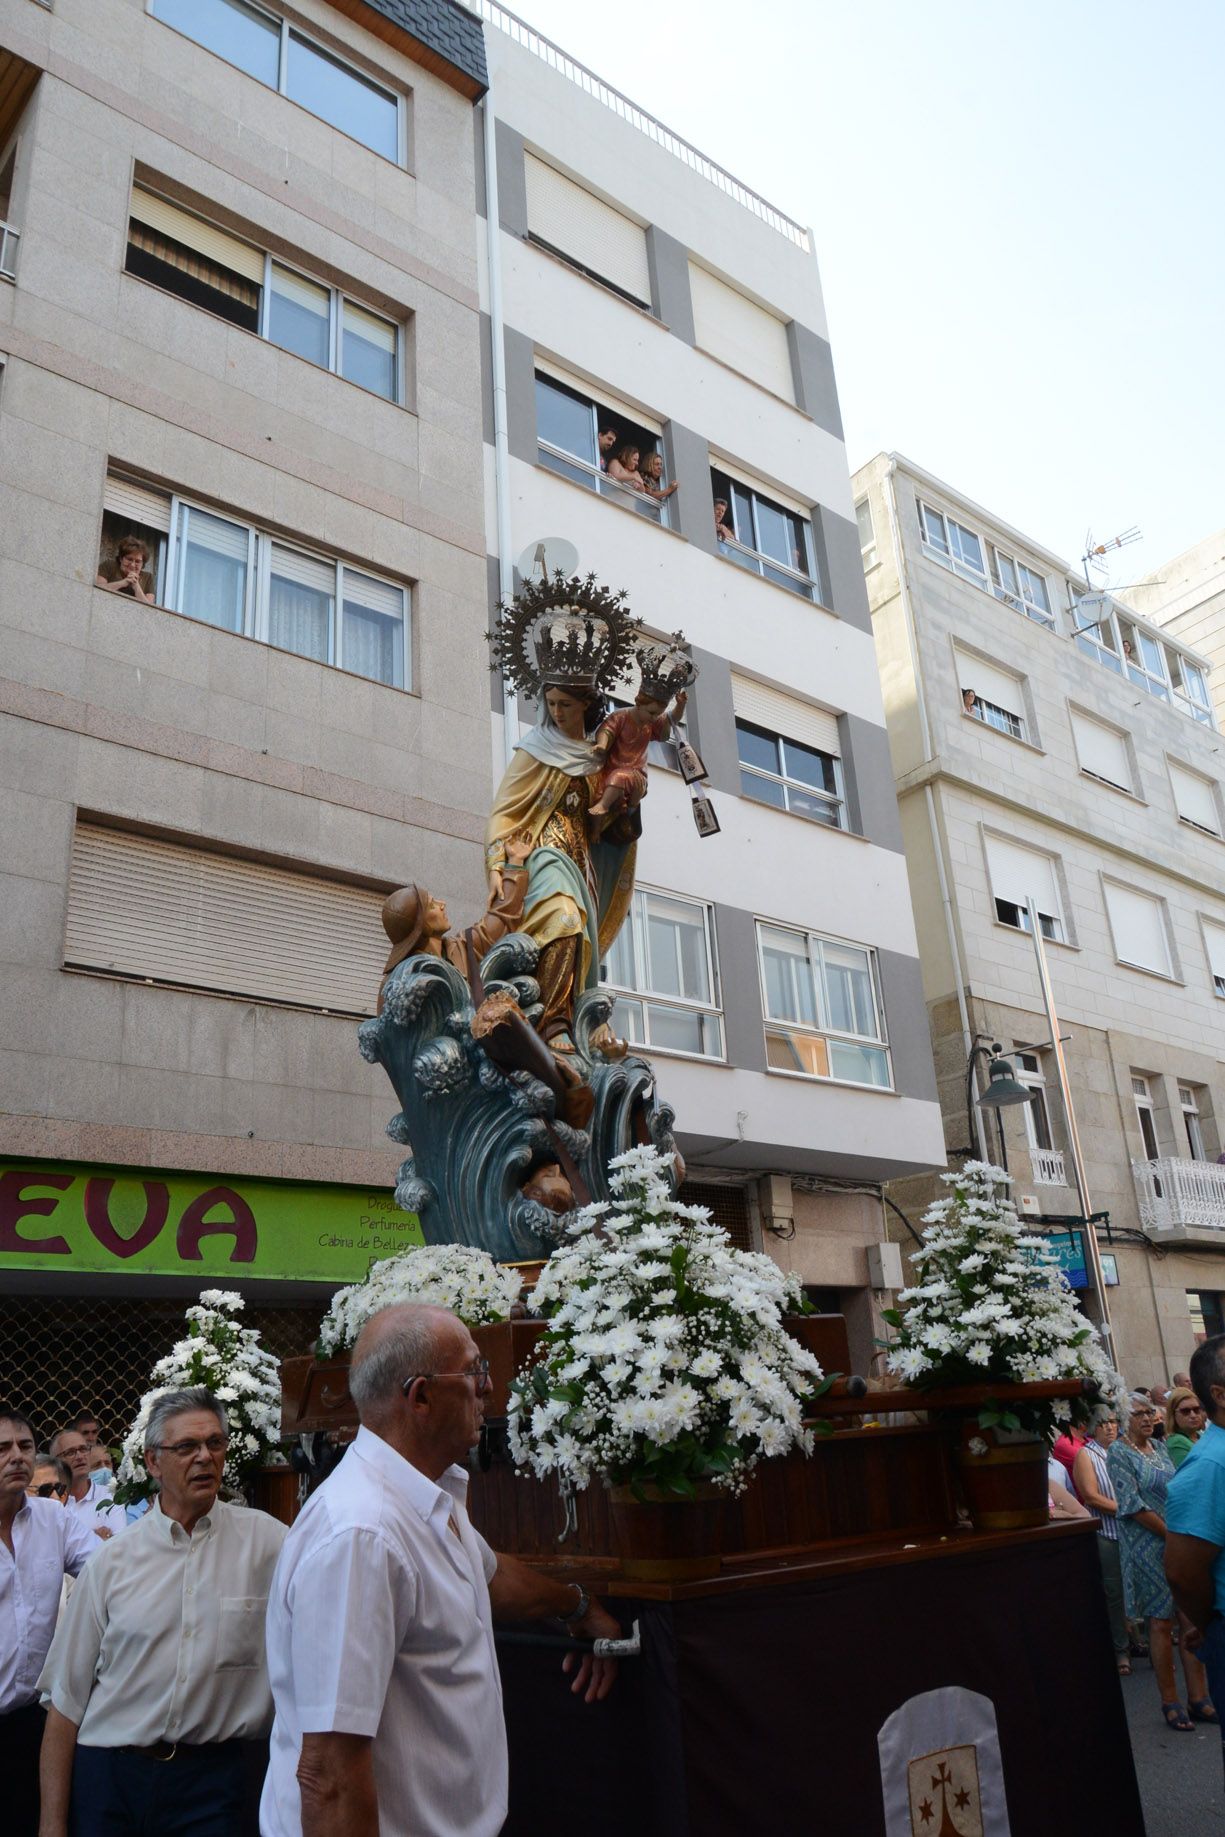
{"x": 628, "y": 465}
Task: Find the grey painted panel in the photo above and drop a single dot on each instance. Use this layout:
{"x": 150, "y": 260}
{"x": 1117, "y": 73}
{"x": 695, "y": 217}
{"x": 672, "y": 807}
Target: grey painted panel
{"x": 841, "y": 565}
{"x": 512, "y": 180}
{"x": 478, "y": 156}
{"x": 712, "y": 720}
{"x": 521, "y": 396}
{"x": 668, "y": 265}
{"x": 812, "y": 368}
{"x": 868, "y": 771}
{"x": 914, "y": 1072}
{"x": 744, "y": 1027}
{"x": 485, "y": 342}
{"x": 688, "y": 461}
{"x": 494, "y": 591}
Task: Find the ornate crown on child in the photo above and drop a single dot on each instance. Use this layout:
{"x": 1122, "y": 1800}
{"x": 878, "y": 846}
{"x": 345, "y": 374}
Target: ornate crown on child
{"x": 666, "y": 668}
{"x": 564, "y": 633}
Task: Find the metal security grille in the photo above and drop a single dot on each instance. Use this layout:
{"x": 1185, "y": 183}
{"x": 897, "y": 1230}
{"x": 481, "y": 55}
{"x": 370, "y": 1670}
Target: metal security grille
{"x": 61, "y": 1356}
{"x": 728, "y": 1206}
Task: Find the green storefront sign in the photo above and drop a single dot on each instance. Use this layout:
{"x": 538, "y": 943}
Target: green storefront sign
{"x": 74, "y": 1220}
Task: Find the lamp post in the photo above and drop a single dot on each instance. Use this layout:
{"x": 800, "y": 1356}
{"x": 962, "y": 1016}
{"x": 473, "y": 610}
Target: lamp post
{"x": 1002, "y": 1091}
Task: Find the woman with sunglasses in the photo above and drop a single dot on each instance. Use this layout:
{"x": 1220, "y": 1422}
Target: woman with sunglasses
{"x": 1140, "y": 1471}
{"x": 1184, "y": 1423}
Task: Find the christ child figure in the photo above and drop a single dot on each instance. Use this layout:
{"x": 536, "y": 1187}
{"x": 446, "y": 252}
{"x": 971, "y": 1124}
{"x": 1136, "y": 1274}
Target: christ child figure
{"x": 622, "y": 743}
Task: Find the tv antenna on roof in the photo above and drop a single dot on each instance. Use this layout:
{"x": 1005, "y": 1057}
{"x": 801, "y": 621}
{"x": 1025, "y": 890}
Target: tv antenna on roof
{"x": 1095, "y": 552}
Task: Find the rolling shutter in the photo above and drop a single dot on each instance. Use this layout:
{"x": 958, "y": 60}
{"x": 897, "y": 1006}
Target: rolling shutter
{"x": 739, "y": 332}
{"x": 575, "y": 222}
{"x": 1019, "y": 874}
{"x": 1194, "y": 797}
{"x": 991, "y": 685}
{"x": 166, "y": 912}
{"x": 785, "y": 715}
{"x": 137, "y": 503}
{"x": 1139, "y": 932}
{"x": 215, "y": 245}
{"x": 1101, "y": 751}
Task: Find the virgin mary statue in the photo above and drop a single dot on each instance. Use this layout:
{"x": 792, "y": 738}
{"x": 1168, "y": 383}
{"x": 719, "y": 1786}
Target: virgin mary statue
{"x": 578, "y": 892}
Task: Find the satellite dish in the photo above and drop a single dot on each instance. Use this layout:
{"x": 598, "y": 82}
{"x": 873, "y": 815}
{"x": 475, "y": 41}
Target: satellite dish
{"x": 550, "y": 555}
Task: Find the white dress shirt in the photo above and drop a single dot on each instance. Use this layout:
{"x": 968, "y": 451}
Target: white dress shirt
{"x": 98, "y": 1509}
{"x": 163, "y": 1638}
{"x": 48, "y": 1543}
{"x": 379, "y": 1624}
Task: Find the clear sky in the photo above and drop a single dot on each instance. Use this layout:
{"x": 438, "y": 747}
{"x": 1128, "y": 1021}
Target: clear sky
{"x": 1018, "y": 215}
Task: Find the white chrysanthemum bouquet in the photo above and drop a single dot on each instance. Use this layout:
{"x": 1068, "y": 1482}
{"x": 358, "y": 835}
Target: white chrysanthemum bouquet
{"x": 990, "y": 1303}
{"x": 230, "y": 1362}
{"x": 454, "y": 1276}
{"x": 665, "y": 1361}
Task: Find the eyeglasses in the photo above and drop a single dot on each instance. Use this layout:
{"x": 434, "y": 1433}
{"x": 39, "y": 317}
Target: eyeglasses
{"x": 51, "y": 1486}
{"x": 183, "y": 1451}
{"x": 1189, "y": 1409}
{"x": 478, "y": 1372}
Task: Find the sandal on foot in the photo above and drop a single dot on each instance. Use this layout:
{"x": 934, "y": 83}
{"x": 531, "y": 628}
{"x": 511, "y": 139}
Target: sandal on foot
{"x": 1200, "y": 1710}
{"x": 1124, "y": 1667}
{"x": 1176, "y": 1718}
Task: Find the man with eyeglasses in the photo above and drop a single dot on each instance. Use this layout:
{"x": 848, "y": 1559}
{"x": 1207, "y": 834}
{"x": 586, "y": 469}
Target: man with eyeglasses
{"x": 86, "y": 1498}
{"x": 156, "y": 1679}
{"x": 380, "y": 1624}
{"x": 40, "y": 1543}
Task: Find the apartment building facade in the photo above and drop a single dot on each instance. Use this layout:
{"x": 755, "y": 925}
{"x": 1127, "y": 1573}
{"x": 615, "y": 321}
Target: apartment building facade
{"x": 632, "y": 289}
{"x": 1051, "y": 744}
{"x": 1186, "y": 597}
{"x": 244, "y": 676}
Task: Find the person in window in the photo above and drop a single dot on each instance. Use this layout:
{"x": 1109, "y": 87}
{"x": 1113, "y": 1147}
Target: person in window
{"x": 721, "y": 529}
{"x": 608, "y": 440}
{"x": 652, "y": 475}
{"x": 969, "y": 702}
{"x": 623, "y": 467}
{"x": 128, "y": 573}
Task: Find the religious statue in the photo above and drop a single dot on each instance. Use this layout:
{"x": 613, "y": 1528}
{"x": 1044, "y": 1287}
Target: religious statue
{"x": 624, "y": 737}
{"x": 417, "y": 924}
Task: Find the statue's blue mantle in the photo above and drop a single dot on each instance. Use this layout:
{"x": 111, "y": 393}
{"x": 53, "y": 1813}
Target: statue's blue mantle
{"x": 476, "y": 1133}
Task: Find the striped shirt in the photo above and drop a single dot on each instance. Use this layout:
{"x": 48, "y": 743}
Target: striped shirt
{"x": 1107, "y": 1525}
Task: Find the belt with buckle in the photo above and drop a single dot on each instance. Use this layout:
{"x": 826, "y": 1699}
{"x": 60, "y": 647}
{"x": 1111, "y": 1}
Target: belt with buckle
{"x": 158, "y": 1750}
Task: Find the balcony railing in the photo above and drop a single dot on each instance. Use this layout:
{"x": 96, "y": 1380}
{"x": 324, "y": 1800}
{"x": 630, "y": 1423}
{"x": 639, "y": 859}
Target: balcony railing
{"x": 793, "y": 579}
{"x": 567, "y": 465}
{"x": 557, "y": 59}
{"x": 1180, "y": 1193}
{"x": 1047, "y": 1164}
{"x": 8, "y": 250}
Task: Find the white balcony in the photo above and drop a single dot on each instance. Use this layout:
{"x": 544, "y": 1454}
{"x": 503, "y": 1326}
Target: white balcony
{"x": 8, "y": 250}
{"x": 1047, "y": 1164}
{"x": 1180, "y": 1195}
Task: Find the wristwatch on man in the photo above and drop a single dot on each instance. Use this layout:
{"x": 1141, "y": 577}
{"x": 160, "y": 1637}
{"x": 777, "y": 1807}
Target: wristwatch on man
{"x": 581, "y": 1611}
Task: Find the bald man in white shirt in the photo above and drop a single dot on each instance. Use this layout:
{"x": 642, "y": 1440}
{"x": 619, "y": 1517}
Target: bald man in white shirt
{"x": 40, "y": 1543}
{"x": 380, "y": 1621}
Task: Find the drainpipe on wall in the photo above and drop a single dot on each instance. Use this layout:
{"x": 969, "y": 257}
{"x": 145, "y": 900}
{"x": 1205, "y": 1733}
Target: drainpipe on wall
{"x": 501, "y": 441}
{"x": 932, "y": 823}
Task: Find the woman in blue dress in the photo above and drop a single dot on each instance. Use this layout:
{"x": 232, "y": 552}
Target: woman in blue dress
{"x": 1140, "y": 1470}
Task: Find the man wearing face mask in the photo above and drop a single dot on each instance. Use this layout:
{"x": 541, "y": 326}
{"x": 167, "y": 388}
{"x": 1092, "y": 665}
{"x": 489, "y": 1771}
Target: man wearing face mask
{"x": 40, "y": 1543}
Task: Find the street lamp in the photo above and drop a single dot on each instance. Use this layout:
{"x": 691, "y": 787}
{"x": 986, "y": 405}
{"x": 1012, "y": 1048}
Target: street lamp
{"x": 1002, "y": 1089}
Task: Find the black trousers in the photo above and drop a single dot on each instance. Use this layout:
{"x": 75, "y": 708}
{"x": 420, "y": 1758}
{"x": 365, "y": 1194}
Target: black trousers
{"x": 197, "y": 1793}
{"x": 21, "y": 1735}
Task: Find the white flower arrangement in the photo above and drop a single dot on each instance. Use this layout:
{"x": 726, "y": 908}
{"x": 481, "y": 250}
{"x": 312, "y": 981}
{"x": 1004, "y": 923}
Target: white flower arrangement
{"x": 228, "y": 1360}
{"x": 454, "y": 1276}
{"x": 991, "y": 1302}
{"x": 665, "y": 1360}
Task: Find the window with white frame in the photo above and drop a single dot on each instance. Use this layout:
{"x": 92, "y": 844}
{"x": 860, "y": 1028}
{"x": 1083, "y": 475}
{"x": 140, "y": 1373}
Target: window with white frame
{"x": 1195, "y": 798}
{"x": 1113, "y": 638}
{"x": 1188, "y": 1103}
{"x": 1019, "y": 874}
{"x": 1037, "y": 1112}
{"x": 187, "y": 256}
{"x": 1146, "y": 1115}
{"x": 573, "y": 432}
{"x": 1214, "y": 944}
{"x": 991, "y": 695}
{"x": 952, "y": 544}
{"x": 867, "y": 534}
{"x": 765, "y": 536}
{"x": 272, "y": 51}
{"x": 1020, "y": 587}
{"x": 231, "y": 574}
{"x": 9, "y": 233}
{"x": 790, "y": 752}
{"x": 1138, "y": 924}
{"x": 823, "y": 1008}
{"x": 663, "y": 970}
{"x": 1102, "y": 751}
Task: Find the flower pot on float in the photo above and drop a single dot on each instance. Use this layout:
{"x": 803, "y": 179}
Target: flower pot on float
{"x": 1003, "y": 1477}
{"x": 662, "y": 1536}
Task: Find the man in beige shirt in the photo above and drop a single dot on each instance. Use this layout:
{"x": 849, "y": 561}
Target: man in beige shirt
{"x": 157, "y": 1675}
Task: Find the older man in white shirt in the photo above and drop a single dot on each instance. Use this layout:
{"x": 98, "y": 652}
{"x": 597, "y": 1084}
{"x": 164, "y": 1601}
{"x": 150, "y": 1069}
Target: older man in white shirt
{"x": 87, "y": 1500}
{"x": 380, "y": 1624}
{"x": 39, "y": 1545}
{"x": 157, "y": 1674}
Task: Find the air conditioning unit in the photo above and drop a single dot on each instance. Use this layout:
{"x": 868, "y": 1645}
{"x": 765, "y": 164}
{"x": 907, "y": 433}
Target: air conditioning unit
{"x": 1029, "y": 1205}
